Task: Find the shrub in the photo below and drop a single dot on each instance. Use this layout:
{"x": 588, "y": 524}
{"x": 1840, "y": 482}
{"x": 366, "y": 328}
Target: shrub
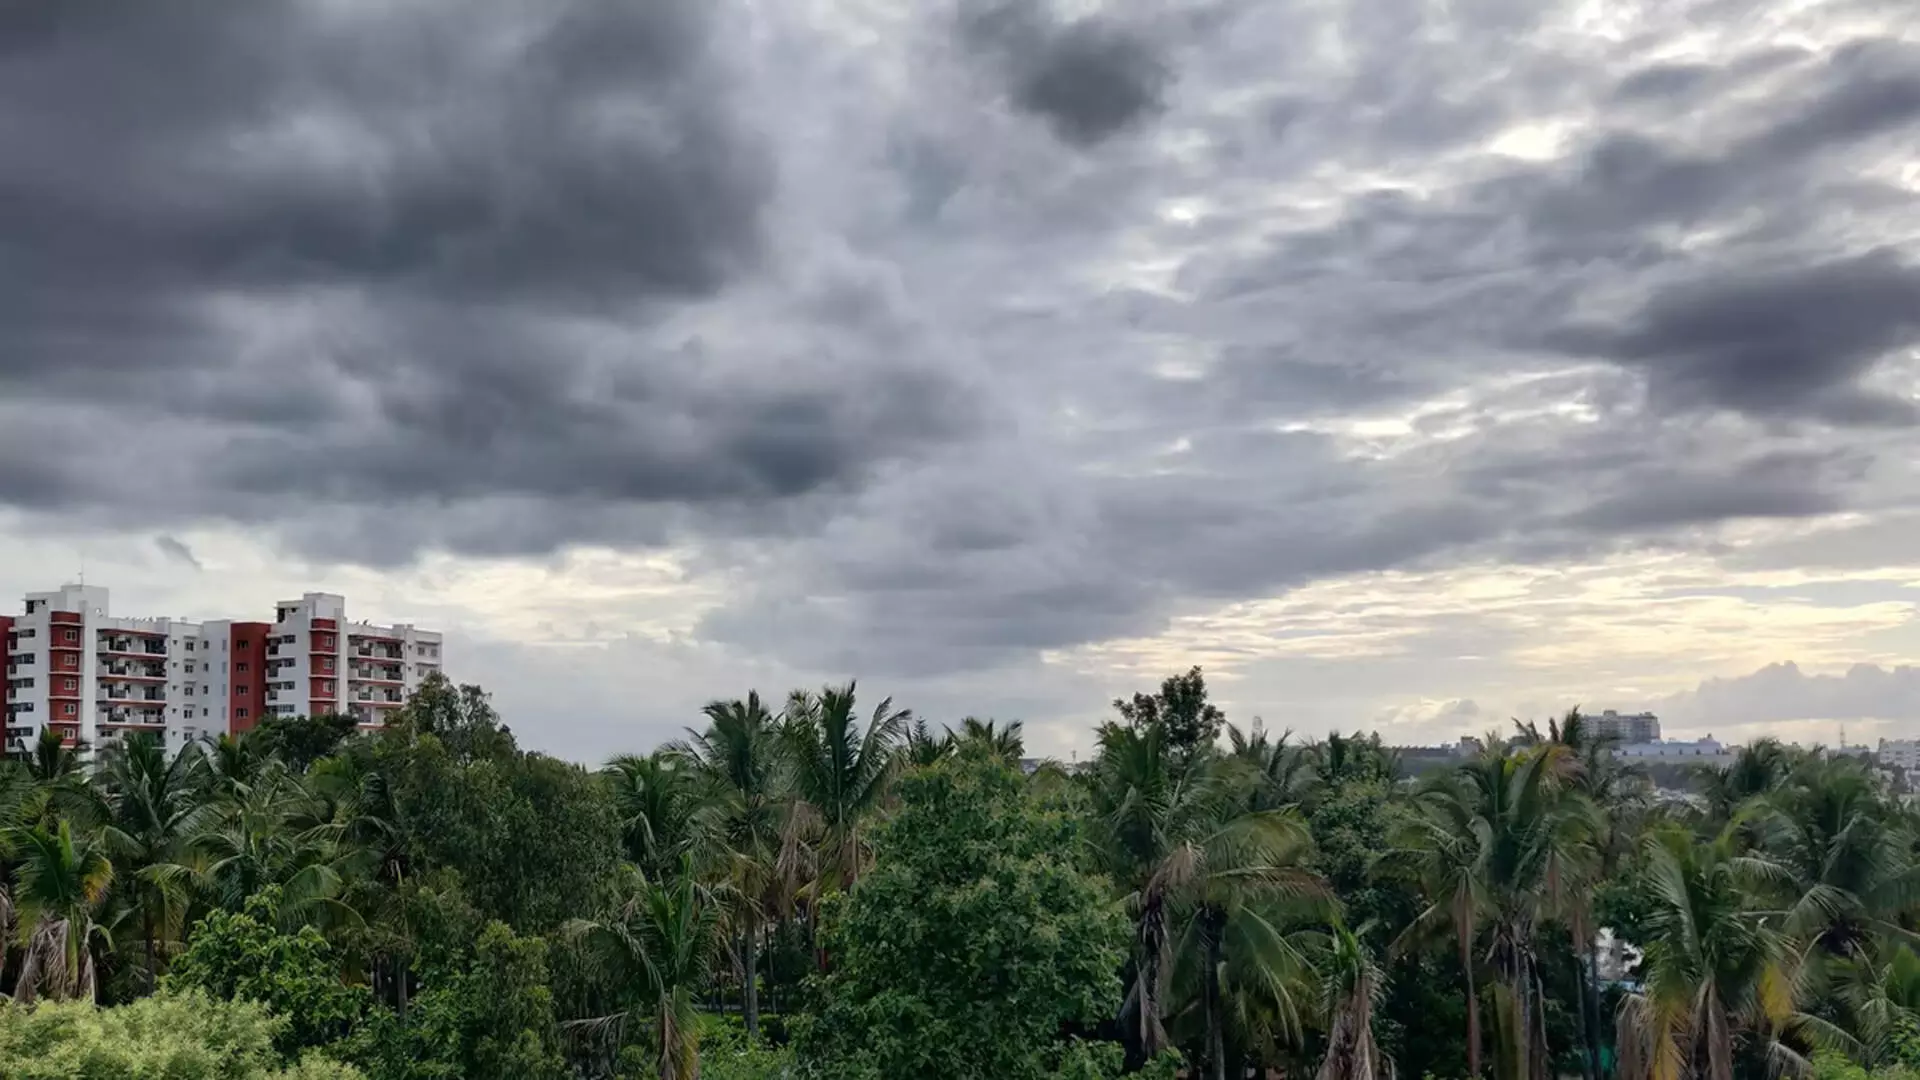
{"x": 173, "y": 1036}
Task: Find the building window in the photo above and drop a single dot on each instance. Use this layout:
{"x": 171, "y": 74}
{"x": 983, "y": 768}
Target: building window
{"x": 69, "y": 709}
{"x": 241, "y": 644}
{"x": 71, "y": 684}
{"x": 239, "y": 714}
{"x": 70, "y": 635}
{"x": 242, "y": 690}
{"x": 189, "y": 667}
{"x": 241, "y": 666}
{"x": 189, "y": 644}
{"x": 328, "y": 685}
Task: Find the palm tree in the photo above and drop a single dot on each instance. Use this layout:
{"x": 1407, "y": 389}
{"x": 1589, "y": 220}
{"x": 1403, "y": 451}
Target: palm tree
{"x": 270, "y": 832}
{"x": 60, "y": 788}
{"x": 1006, "y": 744}
{"x": 1615, "y": 793}
{"x": 1502, "y": 843}
{"x": 738, "y": 764}
{"x": 656, "y": 800}
{"x": 61, "y": 883}
{"x": 157, "y": 813}
{"x": 233, "y": 760}
{"x": 1201, "y": 869}
{"x": 661, "y": 944}
{"x": 1284, "y": 772}
{"x": 1882, "y": 999}
{"x": 1444, "y": 852}
{"x": 923, "y": 748}
{"x": 841, "y": 774}
{"x": 1353, "y": 987}
{"x": 1713, "y": 968}
{"x": 1851, "y": 873}
{"x": 1755, "y": 770}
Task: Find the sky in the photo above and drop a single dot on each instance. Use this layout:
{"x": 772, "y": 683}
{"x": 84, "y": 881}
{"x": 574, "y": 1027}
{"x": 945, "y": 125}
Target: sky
{"x": 1409, "y": 366}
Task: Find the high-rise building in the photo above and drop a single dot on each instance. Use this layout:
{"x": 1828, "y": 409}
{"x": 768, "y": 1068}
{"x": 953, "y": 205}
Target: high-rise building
{"x": 1641, "y": 727}
{"x": 92, "y": 677}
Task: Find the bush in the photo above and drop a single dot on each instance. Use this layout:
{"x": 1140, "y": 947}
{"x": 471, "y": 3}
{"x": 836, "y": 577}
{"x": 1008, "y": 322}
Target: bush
{"x": 244, "y": 956}
{"x": 174, "y": 1036}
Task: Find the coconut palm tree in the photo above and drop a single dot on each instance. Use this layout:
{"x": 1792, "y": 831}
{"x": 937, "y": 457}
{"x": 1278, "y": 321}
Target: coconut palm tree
{"x": 661, "y": 945}
{"x": 1755, "y": 770}
{"x": 62, "y": 881}
{"x": 1202, "y": 872}
{"x": 1352, "y": 989}
{"x": 270, "y": 831}
{"x": 60, "y": 787}
{"x": 737, "y": 763}
{"x": 1851, "y": 872}
{"x": 1442, "y": 849}
{"x": 1283, "y": 771}
{"x": 1006, "y": 744}
{"x": 1714, "y": 968}
{"x": 1502, "y": 843}
{"x": 924, "y": 748}
{"x": 840, "y": 773}
{"x": 657, "y": 800}
{"x": 157, "y": 812}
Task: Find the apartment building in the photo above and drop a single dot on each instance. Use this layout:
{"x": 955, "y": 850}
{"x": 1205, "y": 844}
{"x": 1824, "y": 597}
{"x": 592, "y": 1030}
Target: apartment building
{"x": 1641, "y": 727}
{"x": 75, "y": 668}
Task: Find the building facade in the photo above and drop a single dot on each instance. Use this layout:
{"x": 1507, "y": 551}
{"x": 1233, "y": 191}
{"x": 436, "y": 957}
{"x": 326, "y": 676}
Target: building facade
{"x": 1707, "y": 751}
{"x": 1642, "y": 727}
{"x": 1904, "y": 753}
{"x": 75, "y": 668}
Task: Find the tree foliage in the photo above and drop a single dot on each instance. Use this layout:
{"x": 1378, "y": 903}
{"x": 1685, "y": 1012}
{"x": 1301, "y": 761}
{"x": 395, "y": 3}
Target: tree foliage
{"x": 972, "y": 945}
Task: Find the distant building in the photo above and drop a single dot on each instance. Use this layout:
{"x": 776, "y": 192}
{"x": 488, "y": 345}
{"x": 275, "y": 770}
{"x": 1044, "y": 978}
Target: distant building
{"x": 1904, "y": 753}
{"x": 92, "y": 677}
{"x": 1707, "y": 751}
{"x": 1642, "y": 727}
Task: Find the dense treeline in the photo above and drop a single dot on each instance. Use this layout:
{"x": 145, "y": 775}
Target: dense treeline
{"x": 815, "y": 889}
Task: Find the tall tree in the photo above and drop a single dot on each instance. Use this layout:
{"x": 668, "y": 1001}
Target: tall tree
{"x": 1007, "y": 744}
{"x": 841, "y": 773}
{"x": 1353, "y": 986}
{"x": 660, "y": 945}
{"x": 1714, "y": 968}
{"x": 61, "y": 883}
{"x": 157, "y": 813}
{"x": 656, "y": 800}
{"x": 737, "y": 759}
{"x": 1192, "y": 722}
{"x": 1504, "y": 842}
{"x": 1198, "y": 866}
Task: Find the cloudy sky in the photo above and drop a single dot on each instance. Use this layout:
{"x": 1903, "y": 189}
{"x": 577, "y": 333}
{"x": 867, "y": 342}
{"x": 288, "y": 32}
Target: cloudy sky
{"x": 1404, "y": 364}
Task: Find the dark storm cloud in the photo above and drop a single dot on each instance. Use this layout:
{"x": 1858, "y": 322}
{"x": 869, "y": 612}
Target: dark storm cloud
{"x": 177, "y": 550}
{"x": 1785, "y": 342}
{"x": 1089, "y": 78}
{"x": 402, "y": 255}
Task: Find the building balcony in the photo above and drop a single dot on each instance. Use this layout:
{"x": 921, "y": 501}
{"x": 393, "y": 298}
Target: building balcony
{"x": 129, "y": 672}
{"x": 135, "y": 653}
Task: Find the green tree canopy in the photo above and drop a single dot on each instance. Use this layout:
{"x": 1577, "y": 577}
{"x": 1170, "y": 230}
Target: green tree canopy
{"x": 972, "y": 946}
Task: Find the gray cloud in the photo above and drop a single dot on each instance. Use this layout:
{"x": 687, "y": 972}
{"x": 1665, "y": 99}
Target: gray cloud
{"x": 1778, "y": 342}
{"x": 1783, "y": 692}
{"x": 406, "y": 256}
{"x": 177, "y": 550}
{"x": 1089, "y": 78}
{"x": 1188, "y": 304}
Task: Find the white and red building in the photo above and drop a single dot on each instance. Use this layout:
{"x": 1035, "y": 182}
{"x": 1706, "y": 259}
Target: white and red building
{"x": 75, "y": 668}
